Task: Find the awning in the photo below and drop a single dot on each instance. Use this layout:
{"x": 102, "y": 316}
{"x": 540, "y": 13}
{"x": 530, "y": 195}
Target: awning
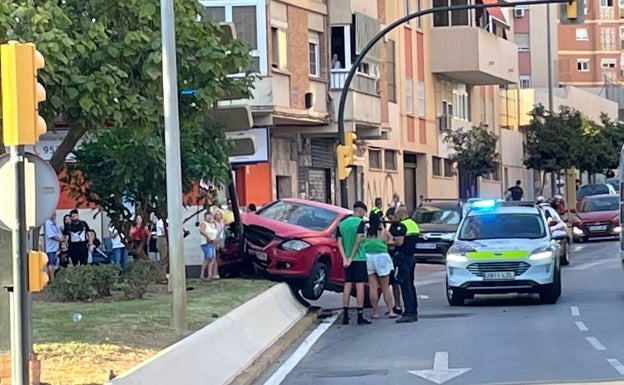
{"x": 495, "y": 12}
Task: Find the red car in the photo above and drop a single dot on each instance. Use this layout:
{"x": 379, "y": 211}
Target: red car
{"x": 596, "y": 217}
{"x": 294, "y": 240}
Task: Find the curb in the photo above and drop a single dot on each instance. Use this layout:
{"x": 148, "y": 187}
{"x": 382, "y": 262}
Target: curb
{"x": 270, "y": 355}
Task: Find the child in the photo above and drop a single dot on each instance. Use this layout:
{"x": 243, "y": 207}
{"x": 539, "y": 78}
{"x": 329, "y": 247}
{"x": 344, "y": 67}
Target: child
{"x": 62, "y": 256}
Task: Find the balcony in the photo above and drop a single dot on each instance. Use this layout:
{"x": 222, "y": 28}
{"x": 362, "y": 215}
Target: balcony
{"x": 363, "y": 107}
{"x": 473, "y": 56}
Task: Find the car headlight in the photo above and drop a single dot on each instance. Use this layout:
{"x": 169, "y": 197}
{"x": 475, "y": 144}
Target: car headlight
{"x": 539, "y": 256}
{"x": 456, "y": 257}
{"x": 295, "y": 244}
{"x": 448, "y": 236}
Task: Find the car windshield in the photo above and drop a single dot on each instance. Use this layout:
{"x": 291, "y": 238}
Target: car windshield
{"x": 592, "y": 189}
{"x": 502, "y": 226}
{"x": 310, "y": 217}
{"x": 601, "y": 204}
{"x": 436, "y": 215}
{"x": 615, "y": 183}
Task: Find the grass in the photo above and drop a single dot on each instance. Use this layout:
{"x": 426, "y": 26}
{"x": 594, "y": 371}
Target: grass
{"x": 118, "y": 335}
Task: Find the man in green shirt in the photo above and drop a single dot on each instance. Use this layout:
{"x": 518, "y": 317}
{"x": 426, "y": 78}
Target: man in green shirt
{"x": 350, "y": 235}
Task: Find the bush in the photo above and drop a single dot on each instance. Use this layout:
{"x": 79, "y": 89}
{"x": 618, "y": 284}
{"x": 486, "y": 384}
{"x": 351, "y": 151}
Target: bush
{"x": 136, "y": 277}
{"x": 105, "y": 278}
{"x": 84, "y": 282}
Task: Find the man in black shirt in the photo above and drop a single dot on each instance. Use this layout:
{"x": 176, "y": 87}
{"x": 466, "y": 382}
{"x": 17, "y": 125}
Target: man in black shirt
{"x": 76, "y": 232}
{"x": 394, "y": 282}
{"x": 515, "y": 192}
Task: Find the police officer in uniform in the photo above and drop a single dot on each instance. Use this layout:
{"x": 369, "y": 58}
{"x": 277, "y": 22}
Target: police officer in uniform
{"x": 405, "y": 243}
{"x": 376, "y": 210}
{"x": 394, "y": 282}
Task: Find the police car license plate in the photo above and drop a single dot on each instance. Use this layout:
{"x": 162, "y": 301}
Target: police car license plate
{"x": 426, "y": 246}
{"x": 499, "y": 275}
{"x": 597, "y": 228}
{"x": 258, "y": 254}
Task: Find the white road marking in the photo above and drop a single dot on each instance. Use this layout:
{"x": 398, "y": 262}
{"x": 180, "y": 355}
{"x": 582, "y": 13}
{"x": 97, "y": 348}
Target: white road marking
{"x": 302, "y": 350}
{"x": 617, "y": 365}
{"x": 593, "y": 341}
{"x": 440, "y": 372}
{"x": 581, "y": 326}
{"x": 423, "y": 296}
{"x": 575, "y": 311}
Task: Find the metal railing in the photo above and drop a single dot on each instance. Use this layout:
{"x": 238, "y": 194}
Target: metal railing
{"x": 361, "y": 82}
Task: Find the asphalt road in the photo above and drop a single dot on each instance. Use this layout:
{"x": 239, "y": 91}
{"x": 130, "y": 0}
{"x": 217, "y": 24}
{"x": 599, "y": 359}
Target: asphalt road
{"x": 495, "y": 339}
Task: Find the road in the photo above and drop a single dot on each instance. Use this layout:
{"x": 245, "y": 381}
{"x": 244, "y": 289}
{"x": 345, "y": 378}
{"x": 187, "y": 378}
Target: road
{"x": 505, "y": 339}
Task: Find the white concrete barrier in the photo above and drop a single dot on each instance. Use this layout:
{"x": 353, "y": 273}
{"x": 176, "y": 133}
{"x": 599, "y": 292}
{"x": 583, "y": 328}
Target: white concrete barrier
{"x": 218, "y": 353}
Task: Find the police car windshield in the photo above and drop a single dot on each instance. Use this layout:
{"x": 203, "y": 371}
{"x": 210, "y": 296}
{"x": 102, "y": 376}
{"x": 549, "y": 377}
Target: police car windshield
{"x": 502, "y": 226}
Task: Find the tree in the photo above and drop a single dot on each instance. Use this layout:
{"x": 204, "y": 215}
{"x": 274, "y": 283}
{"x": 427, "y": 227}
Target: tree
{"x": 103, "y": 62}
{"x": 613, "y": 133}
{"x": 552, "y": 140}
{"x": 596, "y": 145}
{"x": 474, "y": 152}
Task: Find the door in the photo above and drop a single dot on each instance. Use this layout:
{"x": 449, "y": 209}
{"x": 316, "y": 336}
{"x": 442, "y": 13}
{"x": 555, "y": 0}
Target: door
{"x": 409, "y": 177}
{"x": 284, "y": 186}
{"x": 319, "y": 185}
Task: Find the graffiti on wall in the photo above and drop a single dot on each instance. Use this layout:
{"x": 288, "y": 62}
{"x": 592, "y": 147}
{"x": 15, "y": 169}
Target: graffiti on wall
{"x": 379, "y": 186}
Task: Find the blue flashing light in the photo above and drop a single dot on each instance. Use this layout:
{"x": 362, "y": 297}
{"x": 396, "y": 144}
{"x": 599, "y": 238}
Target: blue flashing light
{"x": 484, "y": 204}
{"x": 188, "y": 92}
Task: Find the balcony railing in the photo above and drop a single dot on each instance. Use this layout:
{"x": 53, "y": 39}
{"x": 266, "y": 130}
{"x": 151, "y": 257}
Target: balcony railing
{"x": 361, "y": 82}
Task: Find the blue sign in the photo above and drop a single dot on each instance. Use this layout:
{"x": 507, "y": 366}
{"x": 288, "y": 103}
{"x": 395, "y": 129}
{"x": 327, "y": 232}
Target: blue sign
{"x": 188, "y": 92}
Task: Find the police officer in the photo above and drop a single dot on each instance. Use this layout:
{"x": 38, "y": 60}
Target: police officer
{"x": 394, "y": 282}
{"x": 405, "y": 243}
{"x": 376, "y": 210}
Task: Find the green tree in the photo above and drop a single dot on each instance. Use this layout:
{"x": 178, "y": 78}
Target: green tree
{"x": 474, "y": 152}
{"x": 596, "y": 145}
{"x": 613, "y": 133}
{"x": 552, "y": 140}
{"x": 103, "y": 62}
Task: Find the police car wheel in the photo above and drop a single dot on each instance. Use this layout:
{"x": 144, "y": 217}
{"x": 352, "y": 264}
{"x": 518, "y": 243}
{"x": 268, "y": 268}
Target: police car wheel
{"x": 565, "y": 256}
{"x": 551, "y": 293}
{"x": 455, "y": 296}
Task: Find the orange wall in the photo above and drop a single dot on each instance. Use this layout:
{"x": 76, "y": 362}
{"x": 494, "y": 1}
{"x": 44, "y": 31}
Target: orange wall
{"x": 254, "y": 184}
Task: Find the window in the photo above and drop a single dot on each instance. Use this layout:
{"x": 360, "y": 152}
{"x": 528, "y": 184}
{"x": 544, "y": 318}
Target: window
{"x": 314, "y": 52}
{"x": 436, "y": 166}
{"x": 581, "y": 34}
{"x": 582, "y": 65}
{"x": 374, "y": 159}
{"x": 525, "y": 81}
{"x": 448, "y": 168}
{"x": 622, "y": 36}
{"x": 406, "y": 9}
{"x": 606, "y": 3}
{"x": 249, "y": 27}
{"x": 460, "y": 101}
{"x": 280, "y": 48}
{"x": 409, "y": 96}
{"x": 300, "y": 214}
{"x": 390, "y": 160}
{"x": 445, "y": 19}
{"x": 392, "y": 94}
{"x": 607, "y": 38}
{"x": 522, "y": 41}
{"x": 421, "y": 98}
{"x": 608, "y": 63}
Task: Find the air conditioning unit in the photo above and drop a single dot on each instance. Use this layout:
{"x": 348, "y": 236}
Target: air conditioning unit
{"x": 518, "y": 12}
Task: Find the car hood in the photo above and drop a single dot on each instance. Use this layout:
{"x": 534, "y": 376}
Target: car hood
{"x": 436, "y": 228}
{"x": 488, "y": 249}
{"x": 281, "y": 229}
{"x": 597, "y": 216}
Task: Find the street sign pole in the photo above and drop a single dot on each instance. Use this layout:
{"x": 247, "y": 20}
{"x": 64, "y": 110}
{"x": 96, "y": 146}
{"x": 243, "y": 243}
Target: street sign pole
{"x": 19, "y": 325}
{"x": 177, "y": 273}
{"x": 361, "y": 55}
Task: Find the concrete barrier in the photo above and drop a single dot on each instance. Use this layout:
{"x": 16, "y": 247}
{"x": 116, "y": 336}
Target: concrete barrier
{"x": 218, "y": 353}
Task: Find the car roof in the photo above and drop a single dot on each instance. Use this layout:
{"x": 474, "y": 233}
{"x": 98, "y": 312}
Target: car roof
{"x": 336, "y": 209}
{"x": 505, "y": 210}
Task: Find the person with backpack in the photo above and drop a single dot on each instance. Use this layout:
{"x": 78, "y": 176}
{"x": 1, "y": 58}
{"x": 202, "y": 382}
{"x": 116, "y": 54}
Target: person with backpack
{"x": 76, "y": 233}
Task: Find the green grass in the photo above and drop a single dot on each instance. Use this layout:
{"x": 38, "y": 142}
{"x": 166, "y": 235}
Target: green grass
{"x": 117, "y": 335}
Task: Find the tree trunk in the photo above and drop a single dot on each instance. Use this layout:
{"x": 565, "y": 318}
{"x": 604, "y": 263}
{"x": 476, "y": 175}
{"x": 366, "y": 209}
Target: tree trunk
{"x": 67, "y": 145}
{"x": 543, "y": 182}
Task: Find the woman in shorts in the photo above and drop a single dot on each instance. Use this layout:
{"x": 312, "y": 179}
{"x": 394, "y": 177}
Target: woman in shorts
{"x": 379, "y": 265}
{"x": 209, "y": 237}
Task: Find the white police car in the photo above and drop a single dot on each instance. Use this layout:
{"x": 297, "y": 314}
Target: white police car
{"x": 503, "y": 247}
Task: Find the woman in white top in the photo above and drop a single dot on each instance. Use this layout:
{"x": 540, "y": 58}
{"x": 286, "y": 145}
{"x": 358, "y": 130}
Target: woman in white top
{"x": 209, "y": 237}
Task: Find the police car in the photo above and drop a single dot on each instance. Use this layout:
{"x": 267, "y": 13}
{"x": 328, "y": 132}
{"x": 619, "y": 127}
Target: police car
{"x": 502, "y": 247}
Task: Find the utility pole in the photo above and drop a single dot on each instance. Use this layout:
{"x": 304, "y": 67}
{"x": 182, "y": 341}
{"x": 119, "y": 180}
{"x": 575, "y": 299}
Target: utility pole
{"x": 553, "y": 175}
{"x": 177, "y": 273}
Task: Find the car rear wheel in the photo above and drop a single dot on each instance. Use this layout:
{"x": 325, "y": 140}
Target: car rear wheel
{"x": 551, "y": 293}
{"x": 314, "y": 285}
{"x": 455, "y": 296}
{"x": 565, "y": 257}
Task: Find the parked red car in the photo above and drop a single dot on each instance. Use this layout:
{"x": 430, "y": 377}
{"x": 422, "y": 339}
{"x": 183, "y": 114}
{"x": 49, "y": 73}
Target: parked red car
{"x": 294, "y": 240}
{"x": 597, "y": 216}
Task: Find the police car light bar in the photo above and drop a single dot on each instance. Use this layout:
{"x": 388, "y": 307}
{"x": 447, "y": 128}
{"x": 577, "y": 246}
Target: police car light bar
{"x": 484, "y": 204}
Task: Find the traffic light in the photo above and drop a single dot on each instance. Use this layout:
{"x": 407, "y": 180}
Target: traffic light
{"x": 350, "y": 138}
{"x": 342, "y": 162}
{"x": 21, "y": 93}
{"x": 37, "y": 270}
{"x": 572, "y": 12}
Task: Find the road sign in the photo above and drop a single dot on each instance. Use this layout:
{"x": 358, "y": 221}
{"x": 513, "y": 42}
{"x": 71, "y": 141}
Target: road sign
{"x": 42, "y": 191}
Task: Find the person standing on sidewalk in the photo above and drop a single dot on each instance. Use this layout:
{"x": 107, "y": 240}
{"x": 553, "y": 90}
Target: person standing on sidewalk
{"x": 53, "y": 239}
{"x": 405, "y": 244}
{"x": 161, "y": 239}
{"x": 76, "y": 232}
{"x": 350, "y": 234}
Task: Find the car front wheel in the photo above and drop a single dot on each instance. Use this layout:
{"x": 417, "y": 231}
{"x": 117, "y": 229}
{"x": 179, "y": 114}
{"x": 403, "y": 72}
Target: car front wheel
{"x": 565, "y": 256}
{"x": 455, "y": 296}
{"x": 551, "y": 293}
{"x": 314, "y": 285}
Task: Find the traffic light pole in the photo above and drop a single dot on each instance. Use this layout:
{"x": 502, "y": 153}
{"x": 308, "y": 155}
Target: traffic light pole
{"x": 358, "y": 60}
{"x": 19, "y": 300}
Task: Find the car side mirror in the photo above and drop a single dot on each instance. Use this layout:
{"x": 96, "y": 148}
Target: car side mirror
{"x": 552, "y": 223}
{"x": 559, "y": 235}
